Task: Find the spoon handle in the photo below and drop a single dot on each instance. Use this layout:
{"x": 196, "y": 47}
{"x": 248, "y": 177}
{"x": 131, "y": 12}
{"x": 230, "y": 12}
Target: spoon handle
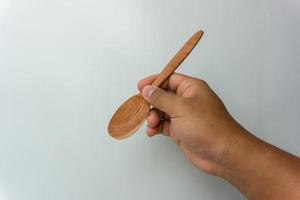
{"x": 177, "y": 59}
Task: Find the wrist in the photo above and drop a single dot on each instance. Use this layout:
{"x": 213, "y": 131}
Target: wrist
{"x": 238, "y": 144}
{"x": 258, "y": 169}
{"x": 239, "y": 162}
{"x": 228, "y": 147}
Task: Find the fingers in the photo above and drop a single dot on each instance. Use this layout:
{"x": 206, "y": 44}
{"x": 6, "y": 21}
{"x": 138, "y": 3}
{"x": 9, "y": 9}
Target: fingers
{"x": 183, "y": 85}
{"x": 163, "y": 127}
{"x": 158, "y": 126}
{"x": 146, "y": 81}
{"x": 161, "y": 99}
{"x": 154, "y": 118}
{"x": 175, "y": 80}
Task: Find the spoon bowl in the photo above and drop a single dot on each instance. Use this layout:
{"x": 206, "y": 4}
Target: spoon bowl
{"x": 129, "y": 117}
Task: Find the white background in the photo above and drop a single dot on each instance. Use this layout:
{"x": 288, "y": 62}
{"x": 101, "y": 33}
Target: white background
{"x": 66, "y": 65}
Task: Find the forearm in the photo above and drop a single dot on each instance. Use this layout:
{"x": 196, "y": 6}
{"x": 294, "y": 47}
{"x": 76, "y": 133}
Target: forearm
{"x": 260, "y": 170}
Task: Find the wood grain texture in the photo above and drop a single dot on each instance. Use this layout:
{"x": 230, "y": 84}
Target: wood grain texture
{"x": 178, "y": 59}
{"x": 133, "y": 112}
{"x": 129, "y": 117}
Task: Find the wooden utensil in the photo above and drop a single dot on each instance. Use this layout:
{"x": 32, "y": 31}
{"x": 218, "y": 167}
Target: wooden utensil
{"x": 133, "y": 112}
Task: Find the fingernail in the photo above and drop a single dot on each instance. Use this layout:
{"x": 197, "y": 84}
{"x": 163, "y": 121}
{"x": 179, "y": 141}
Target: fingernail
{"x": 148, "y": 90}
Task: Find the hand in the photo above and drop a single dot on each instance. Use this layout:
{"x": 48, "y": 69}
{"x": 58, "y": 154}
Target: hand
{"x": 198, "y": 122}
{"x": 195, "y": 118}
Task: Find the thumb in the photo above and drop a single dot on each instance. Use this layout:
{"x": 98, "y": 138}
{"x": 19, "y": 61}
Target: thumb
{"x": 160, "y": 99}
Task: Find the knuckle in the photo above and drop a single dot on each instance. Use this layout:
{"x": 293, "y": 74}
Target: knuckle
{"x": 202, "y": 82}
{"x": 186, "y": 82}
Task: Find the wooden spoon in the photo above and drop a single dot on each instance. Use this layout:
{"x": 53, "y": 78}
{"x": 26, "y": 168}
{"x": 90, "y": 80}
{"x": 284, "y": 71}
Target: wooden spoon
{"x": 133, "y": 112}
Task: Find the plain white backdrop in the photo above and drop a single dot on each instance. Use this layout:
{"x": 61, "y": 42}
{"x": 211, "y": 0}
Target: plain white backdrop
{"x": 65, "y": 66}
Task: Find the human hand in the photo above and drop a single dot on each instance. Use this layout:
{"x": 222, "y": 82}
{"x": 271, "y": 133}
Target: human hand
{"x": 197, "y": 121}
{"x": 194, "y": 118}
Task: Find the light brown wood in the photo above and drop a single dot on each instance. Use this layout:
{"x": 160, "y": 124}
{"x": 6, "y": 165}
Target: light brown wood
{"x": 129, "y": 117}
{"x": 133, "y": 112}
{"x": 178, "y": 58}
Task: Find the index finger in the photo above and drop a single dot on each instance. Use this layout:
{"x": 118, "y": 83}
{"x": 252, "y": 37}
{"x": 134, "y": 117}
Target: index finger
{"x": 175, "y": 80}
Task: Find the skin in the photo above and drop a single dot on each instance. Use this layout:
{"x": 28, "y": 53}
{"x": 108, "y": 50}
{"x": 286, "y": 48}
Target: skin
{"x": 197, "y": 121}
